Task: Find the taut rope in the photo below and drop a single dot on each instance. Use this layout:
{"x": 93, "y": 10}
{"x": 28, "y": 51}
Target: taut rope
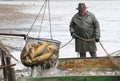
{"x": 66, "y": 43}
{"x": 116, "y": 62}
{"x": 90, "y": 39}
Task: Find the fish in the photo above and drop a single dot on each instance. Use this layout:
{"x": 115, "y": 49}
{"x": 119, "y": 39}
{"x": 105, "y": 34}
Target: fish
{"x": 53, "y": 48}
{"x": 43, "y": 54}
{"x": 42, "y": 48}
{"x": 54, "y": 57}
{"x": 42, "y": 57}
{"x": 25, "y": 56}
{"x": 26, "y": 50}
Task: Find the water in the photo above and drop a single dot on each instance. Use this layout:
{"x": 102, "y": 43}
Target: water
{"x": 109, "y": 24}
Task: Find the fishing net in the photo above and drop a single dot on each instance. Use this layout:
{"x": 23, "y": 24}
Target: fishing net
{"x": 40, "y": 51}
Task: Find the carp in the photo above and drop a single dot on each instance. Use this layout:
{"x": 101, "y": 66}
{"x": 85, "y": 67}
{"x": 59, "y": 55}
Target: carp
{"x": 53, "y": 48}
{"x": 42, "y": 57}
{"x": 26, "y": 51}
{"x": 25, "y": 59}
{"x": 43, "y": 54}
{"x": 38, "y": 50}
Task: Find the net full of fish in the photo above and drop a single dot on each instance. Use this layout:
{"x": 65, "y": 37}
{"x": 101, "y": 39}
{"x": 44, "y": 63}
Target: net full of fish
{"x": 40, "y": 53}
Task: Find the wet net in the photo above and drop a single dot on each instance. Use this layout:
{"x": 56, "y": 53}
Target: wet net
{"x": 40, "y": 51}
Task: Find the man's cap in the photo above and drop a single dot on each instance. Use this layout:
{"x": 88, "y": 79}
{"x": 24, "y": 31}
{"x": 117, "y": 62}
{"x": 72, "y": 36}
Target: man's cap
{"x": 81, "y": 6}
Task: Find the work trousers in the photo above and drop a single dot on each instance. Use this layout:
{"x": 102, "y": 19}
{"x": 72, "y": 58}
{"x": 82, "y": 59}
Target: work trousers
{"x": 83, "y": 55}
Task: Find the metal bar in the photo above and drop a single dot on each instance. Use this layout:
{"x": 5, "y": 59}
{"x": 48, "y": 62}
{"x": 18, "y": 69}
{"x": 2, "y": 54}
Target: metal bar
{"x": 9, "y": 34}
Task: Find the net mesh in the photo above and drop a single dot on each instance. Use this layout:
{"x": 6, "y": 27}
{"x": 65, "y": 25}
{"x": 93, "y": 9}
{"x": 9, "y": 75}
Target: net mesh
{"x": 40, "y": 51}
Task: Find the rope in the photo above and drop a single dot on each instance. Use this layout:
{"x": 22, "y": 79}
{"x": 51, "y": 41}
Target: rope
{"x": 66, "y": 43}
{"x": 116, "y": 52}
{"x": 12, "y": 47}
{"x": 50, "y": 20}
{"x": 92, "y": 39}
{"x": 3, "y": 48}
{"x": 43, "y": 6}
{"x": 87, "y": 40}
{"x": 35, "y": 21}
{"x": 36, "y": 18}
{"x": 116, "y": 62}
{"x": 42, "y": 19}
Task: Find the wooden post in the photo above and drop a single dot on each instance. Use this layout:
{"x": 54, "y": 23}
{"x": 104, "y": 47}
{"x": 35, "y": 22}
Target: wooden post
{"x": 11, "y": 71}
{"x": 8, "y": 72}
{"x": 12, "y": 74}
{"x": 5, "y": 72}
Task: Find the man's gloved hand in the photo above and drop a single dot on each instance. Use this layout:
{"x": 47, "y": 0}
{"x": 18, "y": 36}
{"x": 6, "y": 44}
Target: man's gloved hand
{"x": 73, "y": 35}
{"x": 97, "y": 39}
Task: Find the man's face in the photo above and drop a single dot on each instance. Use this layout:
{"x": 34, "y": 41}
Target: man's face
{"x": 82, "y": 11}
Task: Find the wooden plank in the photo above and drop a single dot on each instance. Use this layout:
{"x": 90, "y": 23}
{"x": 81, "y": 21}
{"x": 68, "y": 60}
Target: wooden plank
{"x": 98, "y": 62}
{"x": 6, "y": 66}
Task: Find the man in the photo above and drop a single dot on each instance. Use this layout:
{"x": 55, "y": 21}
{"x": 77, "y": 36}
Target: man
{"x": 84, "y": 27}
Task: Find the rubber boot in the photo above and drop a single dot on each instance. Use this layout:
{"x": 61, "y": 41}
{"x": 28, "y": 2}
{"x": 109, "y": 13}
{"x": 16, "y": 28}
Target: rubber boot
{"x": 93, "y": 54}
{"x": 82, "y": 55}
